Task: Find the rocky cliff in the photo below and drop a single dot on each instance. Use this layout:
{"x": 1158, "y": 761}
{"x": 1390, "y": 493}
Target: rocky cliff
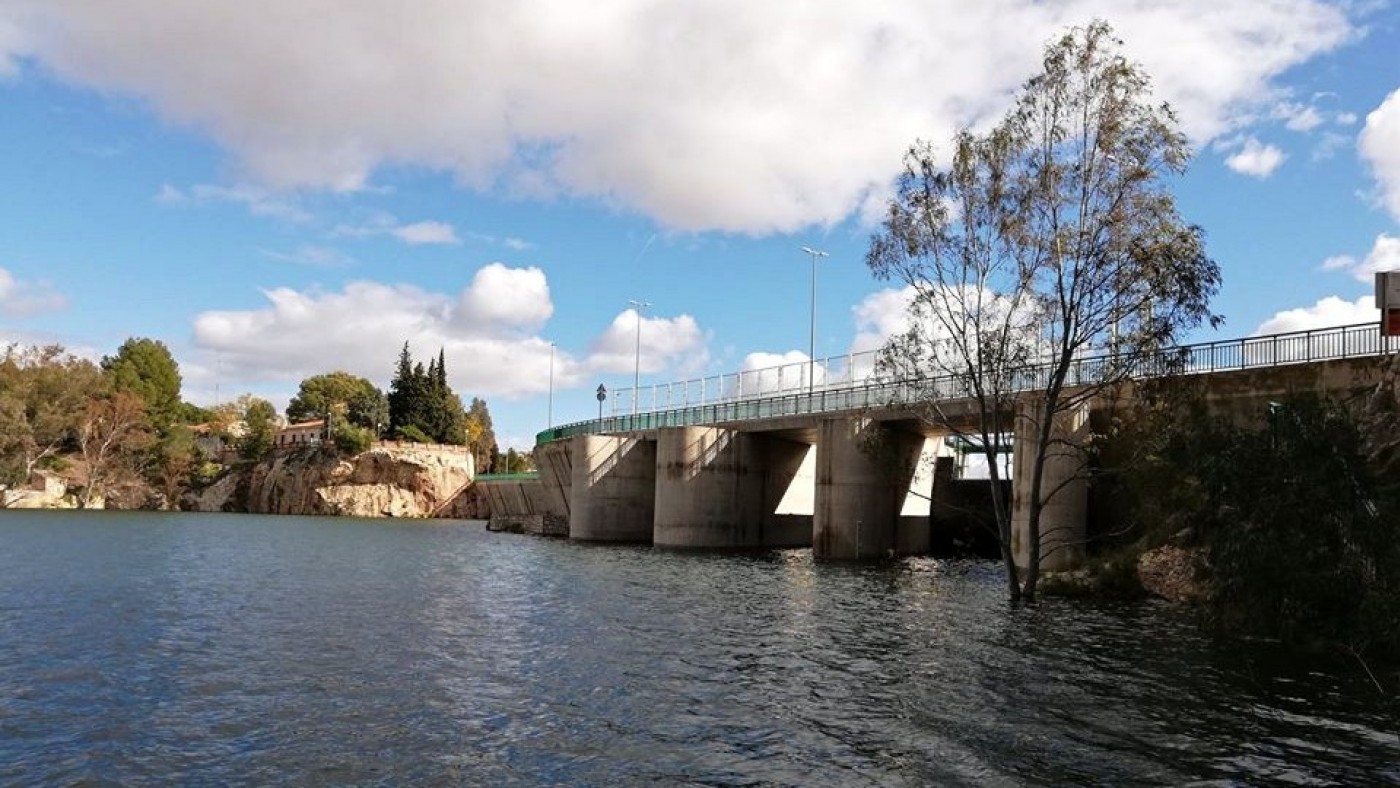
{"x": 397, "y": 481}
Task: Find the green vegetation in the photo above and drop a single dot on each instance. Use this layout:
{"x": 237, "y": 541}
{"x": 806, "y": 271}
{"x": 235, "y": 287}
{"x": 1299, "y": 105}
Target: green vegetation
{"x": 351, "y": 439}
{"x": 260, "y": 429}
{"x": 145, "y": 368}
{"x": 422, "y": 405}
{"x": 120, "y": 428}
{"x": 44, "y": 394}
{"x": 349, "y": 396}
{"x": 481, "y": 438}
{"x": 1296, "y": 511}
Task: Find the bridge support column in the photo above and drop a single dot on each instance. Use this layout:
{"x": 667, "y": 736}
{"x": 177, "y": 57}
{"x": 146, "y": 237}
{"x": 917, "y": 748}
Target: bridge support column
{"x": 709, "y": 488}
{"x": 1064, "y": 486}
{"x": 863, "y": 473}
{"x": 613, "y": 492}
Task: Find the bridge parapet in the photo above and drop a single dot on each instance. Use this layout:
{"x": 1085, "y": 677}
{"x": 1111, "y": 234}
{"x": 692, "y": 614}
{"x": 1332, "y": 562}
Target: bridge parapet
{"x": 859, "y": 387}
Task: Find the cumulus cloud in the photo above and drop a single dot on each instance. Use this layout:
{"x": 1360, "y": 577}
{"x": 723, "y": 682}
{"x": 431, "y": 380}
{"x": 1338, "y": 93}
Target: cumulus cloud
{"x": 1256, "y": 159}
{"x": 1326, "y": 313}
{"x": 775, "y": 373}
{"x": 20, "y": 299}
{"x": 1379, "y": 145}
{"x": 665, "y": 343}
{"x": 486, "y": 332}
{"x": 1384, "y": 256}
{"x": 731, "y": 115}
{"x": 515, "y": 298}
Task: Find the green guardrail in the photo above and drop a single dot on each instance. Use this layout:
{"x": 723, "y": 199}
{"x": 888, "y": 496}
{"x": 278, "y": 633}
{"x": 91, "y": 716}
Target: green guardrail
{"x": 507, "y": 477}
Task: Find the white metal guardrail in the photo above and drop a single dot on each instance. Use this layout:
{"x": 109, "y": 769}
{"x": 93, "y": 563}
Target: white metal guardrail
{"x": 852, "y": 382}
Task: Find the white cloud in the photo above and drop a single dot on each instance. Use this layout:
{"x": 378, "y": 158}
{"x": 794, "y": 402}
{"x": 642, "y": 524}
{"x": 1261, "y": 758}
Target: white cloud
{"x": 1345, "y": 118}
{"x": 1326, "y": 313}
{"x": 1339, "y": 262}
{"x": 880, "y": 316}
{"x": 1384, "y": 256}
{"x": 665, "y": 342}
{"x": 1256, "y": 159}
{"x": 258, "y": 200}
{"x": 1328, "y": 144}
{"x": 1379, "y": 145}
{"x": 20, "y": 299}
{"x": 773, "y": 373}
{"x": 416, "y": 234}
{"x": 517, "y": 298}
{"x": 1299, "y": 117}
{"x": 729, "y": 114}
{"x": 426, "y": 233}
{"x": 486, "y": 333}
{"x": 316, "y": 256}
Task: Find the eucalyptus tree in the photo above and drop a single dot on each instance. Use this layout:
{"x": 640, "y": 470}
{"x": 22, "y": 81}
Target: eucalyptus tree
{"x": 1048, "y": 239}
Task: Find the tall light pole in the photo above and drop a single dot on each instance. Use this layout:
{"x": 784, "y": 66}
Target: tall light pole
{"x": 812, "y": 330}
{"x": 637, "y": 363}
{"x": 549, "y": 420}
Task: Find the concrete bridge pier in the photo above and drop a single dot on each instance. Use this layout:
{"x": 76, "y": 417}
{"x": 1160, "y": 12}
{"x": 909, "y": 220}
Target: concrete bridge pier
{"x": 864, "y": 469}
{"x": 612, "y": 496}
{"x": 1064, "y": 486}
{"x": 709, "y": 488}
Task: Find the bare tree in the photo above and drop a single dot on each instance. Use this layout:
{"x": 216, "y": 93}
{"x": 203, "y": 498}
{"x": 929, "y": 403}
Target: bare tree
{"x": 1046, "y": 263}
{"x": 113, "y": 430}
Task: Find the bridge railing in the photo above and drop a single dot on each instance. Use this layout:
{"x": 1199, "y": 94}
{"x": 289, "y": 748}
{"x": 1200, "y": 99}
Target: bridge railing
{"x": 856, "y": 384}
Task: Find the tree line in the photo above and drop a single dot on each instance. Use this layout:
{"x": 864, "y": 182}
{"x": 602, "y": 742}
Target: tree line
{"x": 121, "y": 424}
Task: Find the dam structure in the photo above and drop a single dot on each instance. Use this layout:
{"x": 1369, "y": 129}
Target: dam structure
{"x": 845, "y": 464}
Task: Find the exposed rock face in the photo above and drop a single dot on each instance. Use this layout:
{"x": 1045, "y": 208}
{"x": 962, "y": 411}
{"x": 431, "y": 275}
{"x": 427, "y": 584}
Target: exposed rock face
{"x": 396, "y": 481}
{"x": 1172, "y": 573}
{"x": 44, "y": 491}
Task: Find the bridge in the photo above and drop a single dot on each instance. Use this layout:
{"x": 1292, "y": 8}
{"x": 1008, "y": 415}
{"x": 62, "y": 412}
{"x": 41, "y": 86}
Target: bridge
{"x": 833, "y": 455}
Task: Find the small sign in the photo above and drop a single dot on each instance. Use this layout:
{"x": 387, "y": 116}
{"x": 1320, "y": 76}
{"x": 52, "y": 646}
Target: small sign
{"x": 1388, "y": 301}
{"x": 602, "y": 392}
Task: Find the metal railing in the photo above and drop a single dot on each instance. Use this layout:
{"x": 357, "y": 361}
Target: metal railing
{"x": 856, "y": 384}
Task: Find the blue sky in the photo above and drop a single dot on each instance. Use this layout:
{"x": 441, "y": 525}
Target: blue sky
{"x": 282, "y": 188}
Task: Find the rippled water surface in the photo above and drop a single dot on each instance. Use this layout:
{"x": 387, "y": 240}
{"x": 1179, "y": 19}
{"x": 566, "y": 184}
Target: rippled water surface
{"x": 204, "y": 649}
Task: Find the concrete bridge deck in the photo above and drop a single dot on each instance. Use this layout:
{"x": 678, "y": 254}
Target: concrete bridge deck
{"x": 853, "y": 470}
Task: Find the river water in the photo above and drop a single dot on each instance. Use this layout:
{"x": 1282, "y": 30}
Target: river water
{"x": 141, "y": 649}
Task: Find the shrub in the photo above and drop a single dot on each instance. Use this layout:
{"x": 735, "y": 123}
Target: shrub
{"x": 408, "y": 432}
{"x": 351, "y": 439}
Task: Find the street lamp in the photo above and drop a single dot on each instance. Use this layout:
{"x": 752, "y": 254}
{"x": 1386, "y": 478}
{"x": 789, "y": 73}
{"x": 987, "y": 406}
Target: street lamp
{"x": 549, "y": 420}
{"x": 812, "y": 330}
{"x": 637, "y": 363}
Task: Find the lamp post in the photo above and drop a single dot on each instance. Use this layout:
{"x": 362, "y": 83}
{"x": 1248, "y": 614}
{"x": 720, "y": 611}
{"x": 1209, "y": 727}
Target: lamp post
{"x": 549, "y": 419}
{"x": 637, "y": 361}
{"x": 812, "y": 329}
